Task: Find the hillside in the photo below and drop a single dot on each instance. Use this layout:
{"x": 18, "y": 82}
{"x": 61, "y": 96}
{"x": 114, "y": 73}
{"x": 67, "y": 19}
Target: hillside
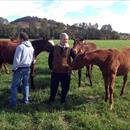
{"x": 27, "y": 19}
{"x": 25, "y": 22}
{"x": 37, "y": 27}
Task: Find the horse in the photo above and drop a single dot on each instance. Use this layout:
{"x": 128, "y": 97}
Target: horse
{"x": 7, "y": 50}
{"x": 80, "y": 46}
{"x": 112, "y": 63}
{"x": 4, "y": 44}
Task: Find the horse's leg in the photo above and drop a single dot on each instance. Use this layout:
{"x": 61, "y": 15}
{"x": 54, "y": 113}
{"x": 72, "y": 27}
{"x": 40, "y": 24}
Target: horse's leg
{"x": 106, "y": 84}
{"x": 6, "y": 68}
{"x": 124, "y": 84}
{"x": 32, "y": 76}
{"x": 111, "y": 88}
{"x": 79, "y": 77}
{"x": 0, "y": 67}
{"x": 89, "y": 73}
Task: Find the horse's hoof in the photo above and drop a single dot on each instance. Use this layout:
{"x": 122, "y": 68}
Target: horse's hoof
{"x": 106, "y": 99}
{"x": 111, "y": 107}
{"x": 121, "y": 94}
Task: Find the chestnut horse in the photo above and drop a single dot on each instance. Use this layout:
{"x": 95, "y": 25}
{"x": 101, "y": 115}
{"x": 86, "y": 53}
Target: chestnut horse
{"x": 7, "y": 50}
{"x": 4, "y": 44}
{"x": 80, "y": 46}
{"x": 111, "y": 62}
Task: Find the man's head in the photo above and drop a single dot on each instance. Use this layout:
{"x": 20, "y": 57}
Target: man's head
{"x": 23, "y": 36}
{"x": 64, "y": 39}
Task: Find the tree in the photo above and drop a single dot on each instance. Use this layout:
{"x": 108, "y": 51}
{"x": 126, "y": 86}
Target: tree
{"x": 106, "y": 31}
{"x": 3, "y": 21}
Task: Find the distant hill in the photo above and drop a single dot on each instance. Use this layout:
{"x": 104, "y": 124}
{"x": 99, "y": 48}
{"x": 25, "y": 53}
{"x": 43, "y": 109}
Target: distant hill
{"x": 24, "y": 22}
{"x": 37, "y": 27}
{"x": 27, "y": 19}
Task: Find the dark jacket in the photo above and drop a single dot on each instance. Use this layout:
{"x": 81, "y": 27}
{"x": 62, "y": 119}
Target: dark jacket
{"x": 60, "y": 58}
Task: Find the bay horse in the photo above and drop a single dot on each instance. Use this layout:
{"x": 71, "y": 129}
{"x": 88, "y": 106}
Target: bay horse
{"x": 7, "y": 50}
{"x": 80, "y": 46}
{"x": 112, "y": 63}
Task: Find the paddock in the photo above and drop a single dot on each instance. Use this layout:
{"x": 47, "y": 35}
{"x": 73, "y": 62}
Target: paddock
{"x": 85, "y": 107}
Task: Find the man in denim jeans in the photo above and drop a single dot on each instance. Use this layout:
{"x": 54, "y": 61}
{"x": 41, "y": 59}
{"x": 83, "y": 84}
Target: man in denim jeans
{"x": 23, "y": 58}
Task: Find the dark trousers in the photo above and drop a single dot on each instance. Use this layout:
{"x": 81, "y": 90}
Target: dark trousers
{"x": 64, "y": 79}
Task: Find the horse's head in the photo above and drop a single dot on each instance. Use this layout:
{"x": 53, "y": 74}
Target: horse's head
{"x": 49, "y": 44}
{"x": 44, "y": 44}
{"x": 78, "y": 62}
{"x": 77, "y": 45}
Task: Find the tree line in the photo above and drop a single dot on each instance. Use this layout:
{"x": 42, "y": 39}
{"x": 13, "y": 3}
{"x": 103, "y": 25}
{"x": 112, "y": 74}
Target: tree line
{"x": 38, "y": 27}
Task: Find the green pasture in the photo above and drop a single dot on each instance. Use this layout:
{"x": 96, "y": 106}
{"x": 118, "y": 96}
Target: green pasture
{"x": 85, "y": 108}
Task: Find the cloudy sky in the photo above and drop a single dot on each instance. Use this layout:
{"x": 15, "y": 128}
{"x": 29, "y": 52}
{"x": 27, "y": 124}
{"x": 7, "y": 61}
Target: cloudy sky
{"x": 114, "y": 12}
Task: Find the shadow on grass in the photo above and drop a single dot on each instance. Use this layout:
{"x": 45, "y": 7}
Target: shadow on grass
{"x": 41, "y": 82}
{"x": 43, "y": 71}
{"x": 4, "y": 94}
{"x": 42, "y": 78}
{"x": 74, "y": 102}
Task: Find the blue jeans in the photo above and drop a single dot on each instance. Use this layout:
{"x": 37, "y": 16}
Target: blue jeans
{"x": 21, "y": 74}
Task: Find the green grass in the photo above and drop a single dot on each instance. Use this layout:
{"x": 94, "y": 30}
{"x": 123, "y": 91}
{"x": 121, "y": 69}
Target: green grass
{"x": 85, "y": 108}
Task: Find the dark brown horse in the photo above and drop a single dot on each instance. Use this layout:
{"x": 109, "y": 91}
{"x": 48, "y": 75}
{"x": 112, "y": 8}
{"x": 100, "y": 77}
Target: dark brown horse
{"x": 111, "y": 62}
{"x": 7, "y": 50}
{"x": 80, "y": 46}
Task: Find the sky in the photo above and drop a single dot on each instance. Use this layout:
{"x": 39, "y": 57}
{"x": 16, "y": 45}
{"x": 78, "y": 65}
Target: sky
{"x": 113, "y": 12}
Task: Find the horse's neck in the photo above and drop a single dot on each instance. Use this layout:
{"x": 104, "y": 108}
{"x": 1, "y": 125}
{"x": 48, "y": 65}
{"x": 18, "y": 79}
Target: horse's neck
{"x": 96, "y": 58}
{"x": 38, "y": 51}
{"x": 37, "y": 47}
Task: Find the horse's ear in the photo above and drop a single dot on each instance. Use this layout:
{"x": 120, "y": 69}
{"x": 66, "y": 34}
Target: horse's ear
{"x": 50, "y": 38}
{"x": 81, "y": 39}
{"x": 44, "y": 37}
{"x": 51, "y": 41}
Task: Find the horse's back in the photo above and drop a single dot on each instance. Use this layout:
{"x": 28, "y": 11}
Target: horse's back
{"x": 124, "y": 61}
{"x": 7, "y": 50}
{"x": 89, "y": 46}
{"x": 126, "y": 55}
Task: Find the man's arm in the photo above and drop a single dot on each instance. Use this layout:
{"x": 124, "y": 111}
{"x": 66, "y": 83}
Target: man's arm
{"x": 17, "y": 58}
{"x": 50, "y": 59}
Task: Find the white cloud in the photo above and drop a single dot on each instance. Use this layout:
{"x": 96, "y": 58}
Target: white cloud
{"x": 58, "y": 10}
{"x": 119, "y": 22}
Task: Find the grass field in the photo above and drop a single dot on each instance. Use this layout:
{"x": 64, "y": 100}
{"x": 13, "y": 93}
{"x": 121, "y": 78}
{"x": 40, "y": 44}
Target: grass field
{"x": 85, "y": 108}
